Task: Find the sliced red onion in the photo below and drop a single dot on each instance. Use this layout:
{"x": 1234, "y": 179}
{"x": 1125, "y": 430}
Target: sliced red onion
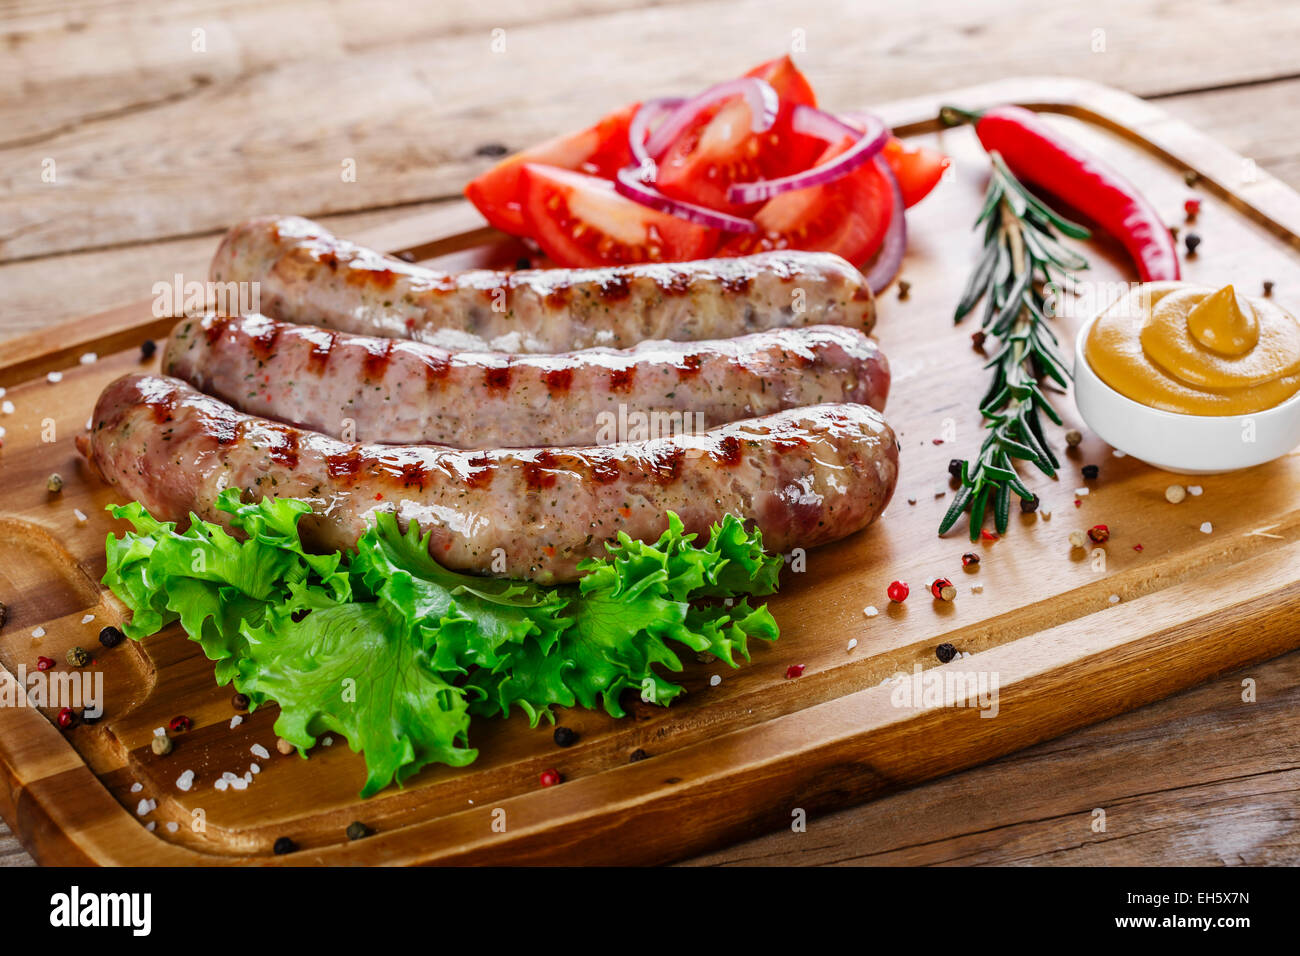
{"x": 814, "y": 122}
{"x": 650, "y": 111}
{"x": 890, "y": 255}
{"x": 629, "y": 184}
{"x": 763, "y": 107}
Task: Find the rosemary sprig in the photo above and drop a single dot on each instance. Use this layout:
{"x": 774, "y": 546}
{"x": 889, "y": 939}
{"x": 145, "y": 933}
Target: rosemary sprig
{"x": 1021, "y": 256}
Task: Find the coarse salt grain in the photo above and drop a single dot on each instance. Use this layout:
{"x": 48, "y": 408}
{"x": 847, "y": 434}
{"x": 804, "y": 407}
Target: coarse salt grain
{"x": 79, "y": 515}
{"x": 236, "y": 721}
{"x": 38, "y": 632}
{"x": 1119, "y": 454}
{"x": 248, "y": 776}
{"x": 254, "y": 768}
{"x": 2, "y": 393}
{"x": 327, "y": 741}
{"x": 137, "y": 787}
{"x": 1194, "y": 490}
{"x": 870, "y": 610}
{"x": 228, "y": 776}
{"x": 90, "y": 424}
{"x": 715, "y": 680}
{"x": 151, "y": 826}
{"x": 239, "y": 783}
{"x": 90, "y": 358}
{"x": 172, "y": 826}
{"x": 145, "y": 807}
{"x": 87, "y": 619}
{"x": 1081, "y": 492}
{"x": 160, "y": 731}
{"x": 1113, "y": 599}
{"x": 853, "y": 642}
{"x": 257, "y": 750}
{"x": 7, "y": 407}
{"x": 1206, "y": 528}
{"x": 222, "y": 784}
{"x": 54, "y": 377}
{"x": 185, "y": 780}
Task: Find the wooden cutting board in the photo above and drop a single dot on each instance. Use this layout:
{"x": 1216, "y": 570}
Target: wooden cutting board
{"x": 1068, "y": 638}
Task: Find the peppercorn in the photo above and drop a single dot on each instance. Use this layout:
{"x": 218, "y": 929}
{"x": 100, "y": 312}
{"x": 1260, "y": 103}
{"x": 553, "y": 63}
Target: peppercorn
{"x": 977, "y": 339}
{"x": 110, "y": 636}
{"x": 1191, "y": 241}
{"x": 1029, "y": 505}
{"x": 1073, "y": 438}
{"x": 239, "y": 702}
{"x": 1090, "y": 471}
{"x": 1268, "y": 288}
{"x": 943, "y": 590}
{"x": 954, "y": 467}
{"x": 1099, "y": 533}
{"x": 162, "y": 745}
{"x": 44, "y": 663}
{"x": 794, "y": 670}
{"x": 54, "y": 483}
{"x": 550, "y": 778}
{"x": 637, "y": 755}
{"x": 1191, "y": 177}
{"x": 492, "y": 149}
{"x": 898, "y": 591}
{"x": 945, "y": 653}
{"x": 180, "y": 723}
{"x": 67, "y": 717}
{"x": 564, "y": 737}
{"x": 523, "y": 262}
{"x": 358, "y": 830}
{"x": 970, "y": 560}
{"x": 1192, "y": 207}
{"x": 147, "y": 348}
{"x": 1078, "y": 539}
{"x": 77, "y": 657}
{"x": 904, "y": 287}
{"x": 283, "y": 746}
{"x": 283, "y": 845}
{"x": 1175, "y": 494}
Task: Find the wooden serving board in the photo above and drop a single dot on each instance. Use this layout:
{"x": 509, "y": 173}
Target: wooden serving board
{"x": 1069, "y": 640}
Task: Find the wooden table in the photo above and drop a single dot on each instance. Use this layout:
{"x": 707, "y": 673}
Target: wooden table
{"x": 129, "y": 138}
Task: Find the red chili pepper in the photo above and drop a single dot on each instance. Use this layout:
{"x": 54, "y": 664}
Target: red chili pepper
{"x": 1041, "y": 157}
{"x": 550, "y": 778}
{"x": 794, "y": 670}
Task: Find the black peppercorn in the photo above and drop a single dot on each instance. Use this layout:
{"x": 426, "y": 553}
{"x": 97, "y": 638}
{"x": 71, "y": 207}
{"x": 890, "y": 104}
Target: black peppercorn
{"x": 1191, "y": 241}
{"x": 147, "y": 348}
{"x": 1090, "y": 471}
{"x": 954, "y": 468}
{"x": 1029, "y": 505}
{"x": 523, "y": 262}
{"x": 977, "y": 339}
{"x": 110, "y": 636}
{"x": 1268, "y": 288}
{"x": 284, "y": 845}
{"x": 239, "y": 702}
{"x": 945, "y": 653}
{"x": 636, "y": 755}
{"x": 492, "y": 149}
{"x": 358, "y": 830}
{"x": 564, "y": 737}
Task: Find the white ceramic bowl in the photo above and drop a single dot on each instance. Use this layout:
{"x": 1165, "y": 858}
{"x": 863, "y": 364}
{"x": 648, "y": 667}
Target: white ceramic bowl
{"x": 1187, "y": 444}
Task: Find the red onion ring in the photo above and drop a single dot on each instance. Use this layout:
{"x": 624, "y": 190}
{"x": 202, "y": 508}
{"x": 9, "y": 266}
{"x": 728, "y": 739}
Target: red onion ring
{"x": 763, "y": 107}
{"x": 640, "y": 126}
{"x": 629, "y": 184}
{"x": 814, "y": 122}
{"x": 890, "y": 255}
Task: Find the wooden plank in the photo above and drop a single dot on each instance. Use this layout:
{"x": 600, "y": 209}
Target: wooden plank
{"x": 286, "y": 122}
{"x": 1225, "y": 794}
{"x": 737, "y": 757}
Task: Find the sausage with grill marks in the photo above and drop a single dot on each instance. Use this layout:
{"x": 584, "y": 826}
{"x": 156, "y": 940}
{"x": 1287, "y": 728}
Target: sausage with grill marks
{"x": 373, "y": 389}
{"x": 803, "y": 476}
{"x": 304, "y": 274}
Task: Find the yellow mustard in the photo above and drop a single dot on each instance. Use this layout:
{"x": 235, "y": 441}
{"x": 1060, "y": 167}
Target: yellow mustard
{"x": 1196, "y": 350}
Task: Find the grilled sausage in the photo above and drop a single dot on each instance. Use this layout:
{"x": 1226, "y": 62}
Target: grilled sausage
{"x": 389, "y": 390}
{"x": 804, "y": 476}
{"x": 304, "y": 274}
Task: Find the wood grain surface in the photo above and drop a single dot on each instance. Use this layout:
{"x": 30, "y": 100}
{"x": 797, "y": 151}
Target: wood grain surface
{"x": 158, "y": 146}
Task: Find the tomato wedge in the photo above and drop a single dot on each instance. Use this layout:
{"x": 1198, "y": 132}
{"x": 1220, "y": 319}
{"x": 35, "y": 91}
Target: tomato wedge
{"x": 848, "y": 216}
{"x": 918, "y": 169}
{"x": 579, "y": 220}
{"x": 720, "y": 148}
{"x": 600, "y": 150}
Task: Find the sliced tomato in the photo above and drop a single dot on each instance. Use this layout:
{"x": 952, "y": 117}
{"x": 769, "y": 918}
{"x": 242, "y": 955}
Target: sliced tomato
{"x": 579, "y": 220}
{"x": 601, "y": 150}
{"x": 918, "y": 169}
{"x": 720, "y": 148}
{"x": 848, "y": 216}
